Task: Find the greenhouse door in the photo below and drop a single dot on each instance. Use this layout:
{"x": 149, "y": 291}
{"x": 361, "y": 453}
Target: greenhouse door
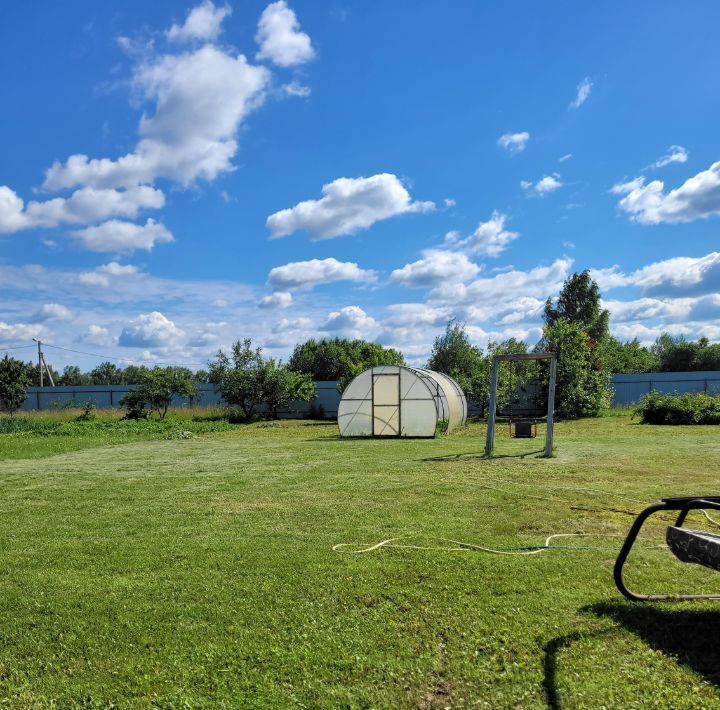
{"x": 386, "y": 405}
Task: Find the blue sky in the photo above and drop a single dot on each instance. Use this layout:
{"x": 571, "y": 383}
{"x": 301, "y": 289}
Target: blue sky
{"x": 174, "y": 177}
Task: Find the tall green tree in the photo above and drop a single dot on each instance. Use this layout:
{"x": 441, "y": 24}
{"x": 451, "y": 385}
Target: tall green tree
{"x": 73, "y": 376}
{"x": 582, "y": 386}
{"x": 453, "y": 354}
{"x": 579, "y": 303}
{"x": 14, "y": 381}
{"x": 237, "y": 376}
{"x": 107, "y": 373}
{"x": 340, "y": 359}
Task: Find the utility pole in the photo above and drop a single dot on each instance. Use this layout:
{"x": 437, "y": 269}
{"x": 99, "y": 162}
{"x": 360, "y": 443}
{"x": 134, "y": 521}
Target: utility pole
{"x": 42, "y": 366}
{"x": 40, "y": 360}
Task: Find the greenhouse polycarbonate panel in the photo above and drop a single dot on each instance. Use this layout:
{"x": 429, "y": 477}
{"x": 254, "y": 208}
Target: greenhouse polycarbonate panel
{"x": 386, "y": 420}
{"x": 360, "y": 387}
{"x": 419, "y": 417}
{"x": 386, "y": 390}
{"x": 355, "y": 417}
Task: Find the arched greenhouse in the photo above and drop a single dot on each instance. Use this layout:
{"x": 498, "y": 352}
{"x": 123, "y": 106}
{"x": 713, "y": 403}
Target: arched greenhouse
{"x": 393, "y": 401}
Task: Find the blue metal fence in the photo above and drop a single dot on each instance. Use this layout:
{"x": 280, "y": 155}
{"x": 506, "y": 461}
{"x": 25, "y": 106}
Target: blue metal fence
{"x": 325, "y": 403}
{"x": 629, "y": 389}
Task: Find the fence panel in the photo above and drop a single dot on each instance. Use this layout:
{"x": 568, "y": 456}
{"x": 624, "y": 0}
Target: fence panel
{"x": 629, "y": 389}
{"x": 324, "y": 404}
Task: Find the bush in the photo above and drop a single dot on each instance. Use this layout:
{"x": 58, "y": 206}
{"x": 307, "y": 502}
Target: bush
{"x": 156, "y": 390}
{"x": 692, "y": 408}
{"x": 89, "y": 412}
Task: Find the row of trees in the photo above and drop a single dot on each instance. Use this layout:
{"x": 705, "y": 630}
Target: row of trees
{"x": 575, "y": 326}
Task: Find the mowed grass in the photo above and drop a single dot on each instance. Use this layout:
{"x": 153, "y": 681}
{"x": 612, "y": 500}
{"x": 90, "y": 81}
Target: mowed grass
{"x": 201, "y": 572}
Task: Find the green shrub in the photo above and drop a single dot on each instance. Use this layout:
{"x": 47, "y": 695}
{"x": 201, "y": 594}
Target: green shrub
{"x": 89, "y": 412}
{"x": 691, "y": 408}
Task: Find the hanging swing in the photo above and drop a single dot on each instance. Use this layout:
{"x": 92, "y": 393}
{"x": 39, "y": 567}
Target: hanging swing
{"x": 514, "y": 419}
{"x": 522, "y": 422}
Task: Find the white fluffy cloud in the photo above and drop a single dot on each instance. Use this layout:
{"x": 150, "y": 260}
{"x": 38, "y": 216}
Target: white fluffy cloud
{"x": 118, "y": 236}
{"x": 306, "y": 274}
{"x": 583, "y": 92}
{"x": 514, "y": 142}
{"x": 203, "y": 22}
{"x": 280, "y": 38}
{"x": 546, "y": 184}
{"x": 103, "y": 275}
{"x": 85, "y": 205}
{"x": 52, "y": 311}
{"x": 648, "y": 308}
{"x": 415, "y": 315}
{"x": 489, "y": 239}
{"x": 279, "y": 299}
{"x": 697, "y": 198}
{"x": 437, "y": 266}
{"x": 350, "y": 322}
{"x": 97, "y": 335}
{"x": 14, "y": 333}
{"x": 150, "y": 330}
{"x": 678, "y": 277}
{"x": 347, "y": 206}
{"x": 675, "y": 154}
{"x": 200, "y": 99}
{"x": 506, "y": 287}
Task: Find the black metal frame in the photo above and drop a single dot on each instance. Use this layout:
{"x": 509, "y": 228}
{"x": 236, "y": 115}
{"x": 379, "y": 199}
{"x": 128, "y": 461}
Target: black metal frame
{"x": 684, "y": 505}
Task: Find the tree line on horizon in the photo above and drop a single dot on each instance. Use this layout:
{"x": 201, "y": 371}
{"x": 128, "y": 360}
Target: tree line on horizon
{"x": 575, "y": 326}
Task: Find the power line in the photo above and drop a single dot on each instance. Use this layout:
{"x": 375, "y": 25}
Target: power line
{"x": 123, "y": 359}
{"x": 15, "y": 347}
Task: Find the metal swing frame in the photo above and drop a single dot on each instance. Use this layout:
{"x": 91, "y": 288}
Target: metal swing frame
{"x": 684, "y": 505}
{"x": 492, "y": 406}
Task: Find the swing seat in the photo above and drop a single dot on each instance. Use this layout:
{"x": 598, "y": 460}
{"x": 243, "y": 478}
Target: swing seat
{"x": 698, "y": 546}
{"x": 695, "y": 546}
{"x": 524, "y": 428}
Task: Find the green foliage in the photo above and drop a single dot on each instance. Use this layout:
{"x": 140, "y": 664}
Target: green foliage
{"x": 281, "y": 386}
{"x": 237, "y": 377}
{"x": 246, "y": 380}
{"x": 628, "y": 357}
{"x": 156, "y": 389}
{"x": 579, "y": 303}
{"x": 106, "y": 373}
{"x": 582, "y": 386}
{"x": 14, "y": 381}
{"x": 89, "y": 412}
{"x": 28, "y": 425}
{"x": 513, "y": 377}
{"x": 690, "y": 408}
{"x": 453, "y": 354}
{"x": 72, "y": 376}
{"x": 340, "y": 359}
{"x": 676, "y": 354}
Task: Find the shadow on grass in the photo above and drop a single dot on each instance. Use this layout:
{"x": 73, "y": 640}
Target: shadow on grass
{"x": 688, "y": 635}
{"x": 481, "y": 455}
{"x": 551, "y": 650}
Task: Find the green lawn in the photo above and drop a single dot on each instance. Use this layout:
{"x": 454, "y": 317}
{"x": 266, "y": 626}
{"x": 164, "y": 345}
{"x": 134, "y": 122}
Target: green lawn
{"x": 201, "y": 572}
